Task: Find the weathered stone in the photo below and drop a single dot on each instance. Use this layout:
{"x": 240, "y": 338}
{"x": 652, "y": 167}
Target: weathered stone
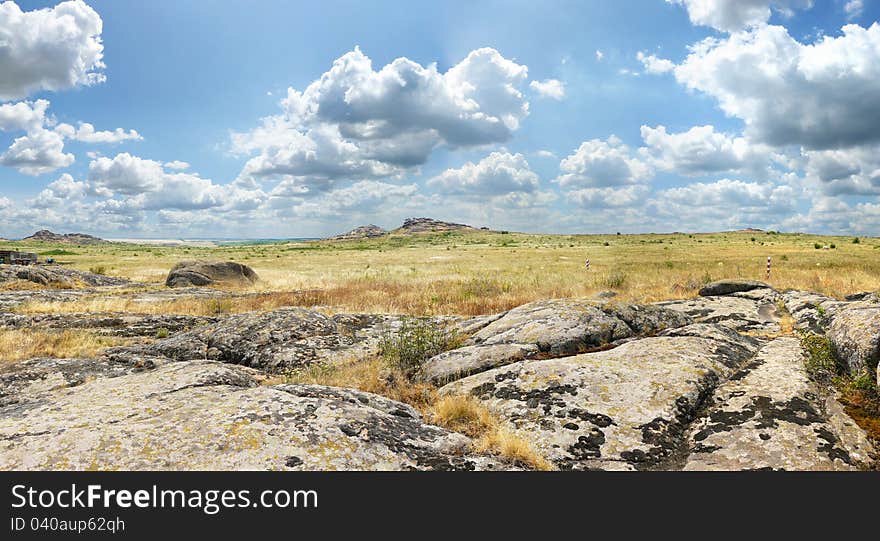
{"x": 57, "y": 276}
{"x": 811, "y": 311}
{"x": 467, "y": 360}
{"x": 769, "y": 415}
{"x": 204, "y": 273}
{"x": 855, "y": 336}
{"x": 622, "y": 408}
{"x": 742, "y": 314}
{"x": 568, "y": 326}
{"x": 276, "y": 340}
{"x": 726, "y": 287}
{"x": 28, "y": 380}
{"x": 204, "y": 415}
{"x": 107, "y": 323}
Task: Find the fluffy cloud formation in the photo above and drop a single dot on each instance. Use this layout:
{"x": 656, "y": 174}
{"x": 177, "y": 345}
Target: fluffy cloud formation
{"x": 86, "y": 133}
{"x": 854, "y": 171}
{"x": 724, "y": 203}
{"x": 49, "y": 49}
{"x": 822, "y": 95}
{"x": 40, "y": 151}
{"x": 496, "y": 174}
{"x": 655, "y": 65}
{"x": 23, "y": 116}
{"x": 702, "y": 151}
{"x": 549, "y": 88}
{"x": 733, "y": 15}
{"x": 356, "y": 122}
{"x": 598, "y": 164}
{"x": 594, "y": 198}
{"x": 145, "y": 185}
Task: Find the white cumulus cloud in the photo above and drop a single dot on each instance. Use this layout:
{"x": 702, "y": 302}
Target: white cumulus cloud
{"x": 733, "y": 15}
{"x": 821, "y": 95}
{"x": 549, "y": 88}
{"x": 49, "y": 49}
{"x": 496, "y": 174}
{"x": 597, "y": 163}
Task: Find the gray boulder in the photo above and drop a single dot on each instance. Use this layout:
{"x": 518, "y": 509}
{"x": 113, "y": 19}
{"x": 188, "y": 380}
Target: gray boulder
{"x": 547, "y": 329}
{"x": 624, "y": 408}
{"x": 273, "y": 341}
{"x": 742, "y": 313}
{"x": 726, "y": 287}
{"x": 204, "y": 415}
{"x": 770, "y": 415}
{"x": 204, "y": 273}
{"x": 855, "y": 336}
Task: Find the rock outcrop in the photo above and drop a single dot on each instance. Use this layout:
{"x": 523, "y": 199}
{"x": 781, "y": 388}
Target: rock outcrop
{"x": 273, "y": 341}
{"x": 624, "y": 408}
{"x": 57, "y": 276}
{"x": 44, "y": 235}
{"x": 549, "y": 328}
{"x": 752, "y": 311}
{"x": 726, "y": 287}
{"x": 205, "y": 415}
{"x": 206, "y": 273}
{"x": 363, "y": 232}
{"x": 769, "y": 415}
{"x": 422, "y": 225}
{"x": 696, "y": 384}
{"x": 852, "y": 327}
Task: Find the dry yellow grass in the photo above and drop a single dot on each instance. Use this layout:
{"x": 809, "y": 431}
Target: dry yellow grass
{"x": 483, "y": 272}
{"x": 462, "y": 414}
{"x": 17, "y": 344}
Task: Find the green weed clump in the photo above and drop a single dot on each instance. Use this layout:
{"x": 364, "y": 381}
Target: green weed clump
{"x": 821, "y": 362}
{"x": 417, "y": 340}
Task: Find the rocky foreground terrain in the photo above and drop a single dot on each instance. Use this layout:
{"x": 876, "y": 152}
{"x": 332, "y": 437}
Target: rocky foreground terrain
{"x": 709, "y": 383}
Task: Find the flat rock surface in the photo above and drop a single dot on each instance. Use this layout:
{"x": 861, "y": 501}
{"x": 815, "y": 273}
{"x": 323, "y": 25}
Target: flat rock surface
{"x": 274, "y": 341}
{"x": 547, "y": 329}
{"x": 204, "y": 415}
{"x": 755, "y": 312}
{"x": 769, "y": 415}
{"x": 107, "y": 323}
{"x": 622, "y": 408}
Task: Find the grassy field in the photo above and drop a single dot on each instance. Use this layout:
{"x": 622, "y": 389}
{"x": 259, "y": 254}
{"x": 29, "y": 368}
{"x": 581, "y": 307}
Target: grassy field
{"x": 480, "y": 272}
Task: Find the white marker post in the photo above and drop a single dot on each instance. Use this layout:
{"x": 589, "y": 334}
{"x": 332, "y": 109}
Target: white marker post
{"x": 768, "y": 267}
{"x": 587, "y": 265}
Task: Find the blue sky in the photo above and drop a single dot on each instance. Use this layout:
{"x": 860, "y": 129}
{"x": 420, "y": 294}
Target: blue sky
{"x": 186, "y": 119}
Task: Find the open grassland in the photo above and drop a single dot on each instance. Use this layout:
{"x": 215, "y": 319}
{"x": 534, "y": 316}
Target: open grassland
{"x": 479, "y": 272}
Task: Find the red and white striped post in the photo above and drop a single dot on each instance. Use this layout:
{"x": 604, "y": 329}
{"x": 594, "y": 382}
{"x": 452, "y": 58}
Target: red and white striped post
{"x": 768, "y": 267}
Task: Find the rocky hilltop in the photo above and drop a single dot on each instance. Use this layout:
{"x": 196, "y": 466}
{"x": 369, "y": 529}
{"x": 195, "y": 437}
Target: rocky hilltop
{"x": 45, "y": 235}
{"x": 709, "y": 383}
{"x": 421, "y": 225}
{"x": 362, "y": 232}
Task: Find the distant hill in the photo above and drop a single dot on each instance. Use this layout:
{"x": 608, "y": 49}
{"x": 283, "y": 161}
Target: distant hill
{"x": 68, "y": 238}
{"x": 362, "y": 232}
{"x": 421, "y": 225}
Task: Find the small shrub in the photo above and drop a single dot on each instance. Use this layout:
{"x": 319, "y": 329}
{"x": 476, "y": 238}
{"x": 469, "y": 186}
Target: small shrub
{"x": 614, "y": 279}
{"x": 821, "y": 361}
{"x": 832, "y": 246}
{"x": 98, "y": 269}
{"x": 817, "y": 246}
{"x": 162, "y": 333}
{"x": 219, "y": 306}
{"x": 605, "y": 243}
{"x": 416, "y": 341}
{"x": 856, "y": 240}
